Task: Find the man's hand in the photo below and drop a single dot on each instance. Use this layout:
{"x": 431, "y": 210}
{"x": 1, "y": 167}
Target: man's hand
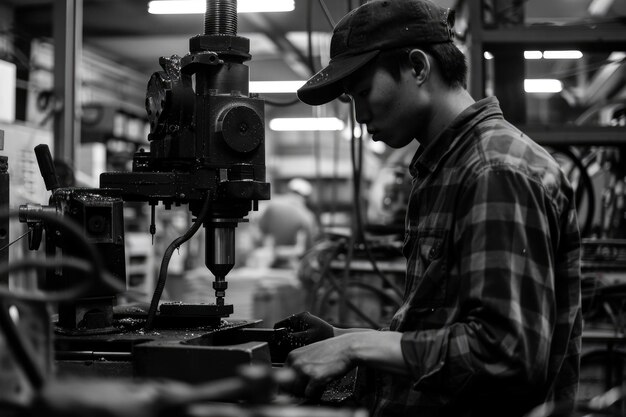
{"x": 304, "y": 329}
{"x": 318, "y": 364}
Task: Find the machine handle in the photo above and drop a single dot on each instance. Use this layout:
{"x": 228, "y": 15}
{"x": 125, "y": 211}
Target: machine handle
{"x": 46, "y": 167}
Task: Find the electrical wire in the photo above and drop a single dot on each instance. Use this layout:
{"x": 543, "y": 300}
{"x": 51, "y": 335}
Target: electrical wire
{"x": 583, "y": 69}
{"x": 323, "y": 272}
{"x": 92, "y": 258}
{"x": 58, "y": 295}
{"x": 158, "y": 291}
{"x": 585, "y": 188}
{"x": 357, "y": 169}
{"x": 15, "y": 341}
{"x": 15, "y": 241}
{"x": 20, "y": 349}
{"x": 337, "y": 287}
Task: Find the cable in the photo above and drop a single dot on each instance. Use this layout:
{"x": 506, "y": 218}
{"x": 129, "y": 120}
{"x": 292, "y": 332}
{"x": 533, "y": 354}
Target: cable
{"x": 20, "y": 350}
{"x": 92, "y": 257}
{"x": 582, "y": 69}
{"x": 158, "y": 291}
{"x": 357, "y": 169}
{"x": 336, "y": 287}
{"x": 15, "y": 241}
{"x": 324, "y": 270}
{"x": 587, "y": 186}
{"x": 58, "y": 295}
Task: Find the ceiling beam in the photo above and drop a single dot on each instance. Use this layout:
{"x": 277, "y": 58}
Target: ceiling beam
{"x": 292, "y": 55}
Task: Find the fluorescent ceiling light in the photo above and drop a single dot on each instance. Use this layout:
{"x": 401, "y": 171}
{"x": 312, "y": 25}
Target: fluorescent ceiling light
{"x": 573, "y": 54}
{"x": 275, "y": 86}
{"x": 306, "y": 124}
{"x": 199, "y": 6}
{"x": 562, "y": 54}
{"x": 532, "y": 54}
{"x": 542, "y": 85}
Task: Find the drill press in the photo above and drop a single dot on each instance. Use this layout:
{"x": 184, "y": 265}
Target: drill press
{"x": 207, "y": 150}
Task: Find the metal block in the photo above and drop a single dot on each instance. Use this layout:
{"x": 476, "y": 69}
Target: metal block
{"x": 196, "y": 363}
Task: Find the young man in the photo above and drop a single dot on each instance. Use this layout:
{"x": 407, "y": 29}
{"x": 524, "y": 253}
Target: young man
{"x": 491, "y": 323}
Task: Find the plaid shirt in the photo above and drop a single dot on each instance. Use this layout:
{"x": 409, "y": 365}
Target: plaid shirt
{"x": 491, "y": 317}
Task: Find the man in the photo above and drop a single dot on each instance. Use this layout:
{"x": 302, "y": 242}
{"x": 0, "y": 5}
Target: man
{"x": 288, "y": 227}
{"x": 491, "y": 323}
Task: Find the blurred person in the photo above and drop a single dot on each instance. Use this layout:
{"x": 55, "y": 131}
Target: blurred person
{"x": 490, "y": 324}
{"x": 287, "y": 227}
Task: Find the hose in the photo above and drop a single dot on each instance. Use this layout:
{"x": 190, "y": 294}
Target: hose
{"x": 160, "y": 286}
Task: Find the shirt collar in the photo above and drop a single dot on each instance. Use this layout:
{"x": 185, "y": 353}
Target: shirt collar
{"x": 427, "y": 158}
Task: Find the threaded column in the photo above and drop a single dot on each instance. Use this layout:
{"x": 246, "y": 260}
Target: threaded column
{"x": 220, "y": 17}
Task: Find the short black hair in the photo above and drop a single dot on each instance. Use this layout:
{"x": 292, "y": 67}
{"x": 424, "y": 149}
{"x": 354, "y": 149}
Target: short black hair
{"x": 451, "y": 62}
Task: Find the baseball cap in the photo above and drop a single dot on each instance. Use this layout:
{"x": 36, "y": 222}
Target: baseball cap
{"x": 300, "y": 186}
{"x": 367, "y": 30}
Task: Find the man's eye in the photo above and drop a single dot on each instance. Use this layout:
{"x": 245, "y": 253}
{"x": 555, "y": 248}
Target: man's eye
{"x": 364, "y": 93}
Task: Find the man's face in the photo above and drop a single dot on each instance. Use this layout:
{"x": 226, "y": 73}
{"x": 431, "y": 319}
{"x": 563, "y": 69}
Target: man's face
{"x": 389, "y": 107}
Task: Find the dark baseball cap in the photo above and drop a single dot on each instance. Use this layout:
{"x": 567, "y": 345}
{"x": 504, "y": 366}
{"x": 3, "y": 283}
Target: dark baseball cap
{"x": 371, "y": 28}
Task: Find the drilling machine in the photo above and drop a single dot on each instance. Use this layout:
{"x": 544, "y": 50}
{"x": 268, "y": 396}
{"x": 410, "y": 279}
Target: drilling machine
{"x": 206, "y": 146}
{"x": 206, "y": 150}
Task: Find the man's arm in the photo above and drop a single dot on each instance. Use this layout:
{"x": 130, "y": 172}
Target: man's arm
{"x": 320, "y": 363}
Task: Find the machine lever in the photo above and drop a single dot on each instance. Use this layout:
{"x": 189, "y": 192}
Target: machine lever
{"x": 46, "y": 167}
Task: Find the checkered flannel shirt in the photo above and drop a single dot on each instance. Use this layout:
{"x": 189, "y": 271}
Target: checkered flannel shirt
{"x": 491, "y": 318}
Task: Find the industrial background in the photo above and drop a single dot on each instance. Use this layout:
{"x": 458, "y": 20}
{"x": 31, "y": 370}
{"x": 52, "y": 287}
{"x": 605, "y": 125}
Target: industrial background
{"x": 87, "y": 87}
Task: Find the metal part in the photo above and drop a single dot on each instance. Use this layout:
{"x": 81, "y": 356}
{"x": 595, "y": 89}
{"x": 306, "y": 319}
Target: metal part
{"x": 177, "y": 315}
{"x": 185, "y": 354}
{"x": 67, "y": 31}
{"x": 100, "y": 214}
{"x": 220, "y": 17}
{"x": 192, "y": 363}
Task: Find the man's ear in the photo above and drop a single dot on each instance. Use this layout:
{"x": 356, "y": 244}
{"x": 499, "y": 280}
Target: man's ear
{"x": 421, "y": 65}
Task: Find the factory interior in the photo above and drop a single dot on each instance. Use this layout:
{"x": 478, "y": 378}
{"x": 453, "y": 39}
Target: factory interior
{"x": 166, "y": 199}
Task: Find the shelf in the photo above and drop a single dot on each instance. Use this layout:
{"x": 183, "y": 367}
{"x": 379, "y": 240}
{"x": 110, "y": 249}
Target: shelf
{"x": 576, "y": 135}
{"x": 602, "y": 36}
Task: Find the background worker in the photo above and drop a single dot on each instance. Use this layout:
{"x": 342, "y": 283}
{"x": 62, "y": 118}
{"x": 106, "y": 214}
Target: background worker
{"x": 287, "y": 227}
{"x": 490, "y": 323}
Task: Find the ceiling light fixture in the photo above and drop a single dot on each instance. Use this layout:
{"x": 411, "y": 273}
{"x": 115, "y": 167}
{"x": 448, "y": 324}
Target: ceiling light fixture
{"x": 562, "y": 54}
{"x": 275, "y": 86}
{"x": 533, "y": 55}
{"x": 543, "y": 85}
{"x": 199, "y": 6}
{"x": 298, "y": 124}
{"x": 573, "y": 54}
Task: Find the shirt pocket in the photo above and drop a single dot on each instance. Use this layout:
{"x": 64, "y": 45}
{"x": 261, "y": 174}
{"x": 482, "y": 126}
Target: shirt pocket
{"x": 429, "y": 290}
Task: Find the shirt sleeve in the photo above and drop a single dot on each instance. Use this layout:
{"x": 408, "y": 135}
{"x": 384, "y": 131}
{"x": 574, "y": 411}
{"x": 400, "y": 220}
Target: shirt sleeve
{"x": 507, "y": 227}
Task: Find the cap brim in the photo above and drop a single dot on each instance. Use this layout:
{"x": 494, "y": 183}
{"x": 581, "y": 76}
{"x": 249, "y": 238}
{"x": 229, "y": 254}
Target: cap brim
{"x": 326, "y": 85}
